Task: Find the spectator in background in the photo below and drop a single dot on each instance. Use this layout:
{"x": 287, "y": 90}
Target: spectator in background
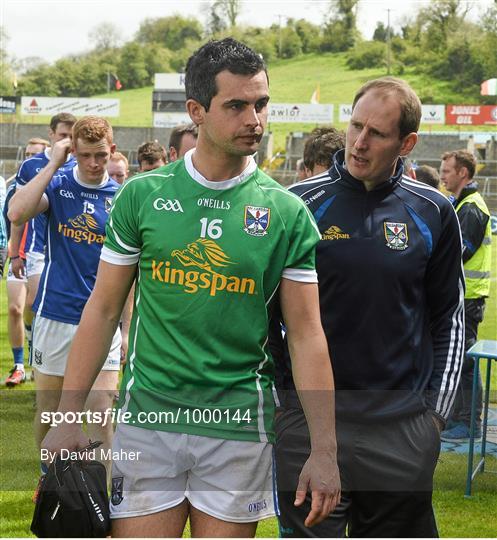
{"x": 151, "y": 155}
{"x": 456, "y": 172}
{"x": 428, "y": 175}
{"x": 320, "y": 148}
{"x": 118, "y": 167}
{"x": 182, "y": 139}
{"x": 21, "y": 288}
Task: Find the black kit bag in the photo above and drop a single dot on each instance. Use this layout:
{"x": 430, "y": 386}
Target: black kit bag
{"x": 72, "y": 501}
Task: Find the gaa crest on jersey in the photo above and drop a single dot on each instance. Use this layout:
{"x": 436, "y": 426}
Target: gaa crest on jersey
{"x": 108, "y": 204}
{"x": 396, "y": 235}
{"x": 256, "y": 220}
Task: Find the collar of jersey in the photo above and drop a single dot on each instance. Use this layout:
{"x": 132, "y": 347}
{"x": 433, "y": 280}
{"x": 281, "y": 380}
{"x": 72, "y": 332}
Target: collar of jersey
{"x": 224, "y": 184}
{"x": 90, "y": 186}
{"x": 349, "y": 181}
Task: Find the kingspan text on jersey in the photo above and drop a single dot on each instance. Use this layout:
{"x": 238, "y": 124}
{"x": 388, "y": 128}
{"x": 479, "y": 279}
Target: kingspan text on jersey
{"x": 192, "y": 280}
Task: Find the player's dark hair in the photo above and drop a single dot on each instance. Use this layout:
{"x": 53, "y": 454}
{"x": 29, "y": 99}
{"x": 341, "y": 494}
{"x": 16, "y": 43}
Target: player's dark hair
{"x": 179, "y": 132}
{"x": 321, "y": 145}
{"x": 214, "y": 57}
{"x": 62, "y": 118}
{"x": 428, "y": 175}
{"x": 151, "y": 151}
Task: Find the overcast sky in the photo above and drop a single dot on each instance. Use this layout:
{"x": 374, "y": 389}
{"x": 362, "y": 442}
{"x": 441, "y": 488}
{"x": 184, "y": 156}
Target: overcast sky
{"x": 52, "y": 29}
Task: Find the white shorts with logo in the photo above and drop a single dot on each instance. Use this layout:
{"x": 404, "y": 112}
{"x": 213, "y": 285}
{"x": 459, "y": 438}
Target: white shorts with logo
{"x": 51, "y": 344}
{"x": 157, "y": 470}
{"x": 11, "y": 277}
{"x": 34, "y": 263}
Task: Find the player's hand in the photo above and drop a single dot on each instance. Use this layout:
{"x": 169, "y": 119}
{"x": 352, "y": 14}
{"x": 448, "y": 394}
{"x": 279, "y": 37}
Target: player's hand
{"x": 320, "y": 476}
{"x": 65, "y": 436}
{"x": 60, "y": 150}
{"x": 18, "y": 268}
{"x": 124, "y": 348}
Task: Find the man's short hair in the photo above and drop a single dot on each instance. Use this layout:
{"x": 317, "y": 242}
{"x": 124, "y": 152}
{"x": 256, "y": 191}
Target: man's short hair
{"x": 410, "y": 105}
{"x": 62, "y": 118}
{"x": 463, "y": 159}
{"x": 428, "y": 175}
{"x": 92, "y": 129}
{"x": 151, "y": 151}
{"x": 38, "y": 140}
{"x": 321, "y": 145}
{"x": 179, "y": 132}
{"x": 117, "y": 156}
{"x": 214, "y": 57}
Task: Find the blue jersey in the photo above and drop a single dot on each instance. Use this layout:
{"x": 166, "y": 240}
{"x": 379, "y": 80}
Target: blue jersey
{"x": 76, "y": 216}
{"x": 35, "y": 236}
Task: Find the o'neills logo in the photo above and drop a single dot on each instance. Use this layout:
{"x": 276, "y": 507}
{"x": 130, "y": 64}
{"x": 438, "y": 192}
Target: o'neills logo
{"x": 207, "y": 257}
{"x": 80, "y": 229}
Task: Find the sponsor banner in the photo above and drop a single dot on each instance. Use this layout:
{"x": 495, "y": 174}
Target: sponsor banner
{"x": 471, "y": 115}
{"x": 430, "y": 114}
{"x": 289, "y": 113}
{"x": 344, "y": 112}
{"x": 433, "y": 114}
{"x": 168, "y": 120}
{"x": 8, "y": 104}
{"x": 169, "y": 81}
{"x": 48, "y": 106}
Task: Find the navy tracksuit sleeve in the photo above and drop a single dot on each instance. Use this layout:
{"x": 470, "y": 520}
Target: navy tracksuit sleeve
{"x": 445, "y": 296}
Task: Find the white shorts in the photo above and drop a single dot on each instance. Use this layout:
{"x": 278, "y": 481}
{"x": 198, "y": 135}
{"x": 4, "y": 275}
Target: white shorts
{"x": 34, "y": 263}
{"x": 52, "y": 341}
{"x": 12, "y": 277}
{"x": 156, "y": 470}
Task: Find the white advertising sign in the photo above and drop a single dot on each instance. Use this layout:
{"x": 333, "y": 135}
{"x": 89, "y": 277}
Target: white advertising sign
{"x": 48, "y": 106}
{"x": 344, "y": 113}
{"x": 167, "y": 120}
{"x": 433, "y": 114}
{"x": 300, "y": 112}
{"x": 169, "y": 81}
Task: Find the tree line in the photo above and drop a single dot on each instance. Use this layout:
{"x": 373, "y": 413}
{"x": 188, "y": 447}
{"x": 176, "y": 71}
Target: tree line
{"x": 437, "y": 41}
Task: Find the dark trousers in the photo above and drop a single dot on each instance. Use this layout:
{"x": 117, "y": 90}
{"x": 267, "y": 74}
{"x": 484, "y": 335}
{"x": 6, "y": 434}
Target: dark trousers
{"x": 386, "y": 472}
{"x": 461, "y": 411}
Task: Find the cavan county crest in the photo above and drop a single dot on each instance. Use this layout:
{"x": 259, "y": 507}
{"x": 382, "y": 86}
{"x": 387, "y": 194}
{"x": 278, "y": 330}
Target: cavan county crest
{"x": 108, "y": 204}
{"x": 396, "y": 235}
{"x": 256, "y": 220}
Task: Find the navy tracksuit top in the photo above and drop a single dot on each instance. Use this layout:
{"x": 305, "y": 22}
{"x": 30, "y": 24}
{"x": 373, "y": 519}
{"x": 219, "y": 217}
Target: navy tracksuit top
{"x": 391, "y": 292}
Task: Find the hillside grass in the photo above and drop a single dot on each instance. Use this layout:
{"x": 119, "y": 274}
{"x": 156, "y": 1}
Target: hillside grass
{"x": 292, "y": 81}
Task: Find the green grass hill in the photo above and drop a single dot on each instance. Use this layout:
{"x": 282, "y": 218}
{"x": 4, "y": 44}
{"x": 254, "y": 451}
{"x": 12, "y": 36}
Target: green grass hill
{"x": 293, "y": 81}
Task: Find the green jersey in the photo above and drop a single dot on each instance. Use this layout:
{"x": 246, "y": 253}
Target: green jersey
{"x": 210, "y": 258}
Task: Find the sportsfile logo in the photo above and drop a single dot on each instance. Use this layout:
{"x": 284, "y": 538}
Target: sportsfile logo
{"x": 81, "y": 229}
{"x": 207, "y": 257}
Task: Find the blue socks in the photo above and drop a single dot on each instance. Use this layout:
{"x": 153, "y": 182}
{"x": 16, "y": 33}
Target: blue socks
{"x": 18, "y": 354}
